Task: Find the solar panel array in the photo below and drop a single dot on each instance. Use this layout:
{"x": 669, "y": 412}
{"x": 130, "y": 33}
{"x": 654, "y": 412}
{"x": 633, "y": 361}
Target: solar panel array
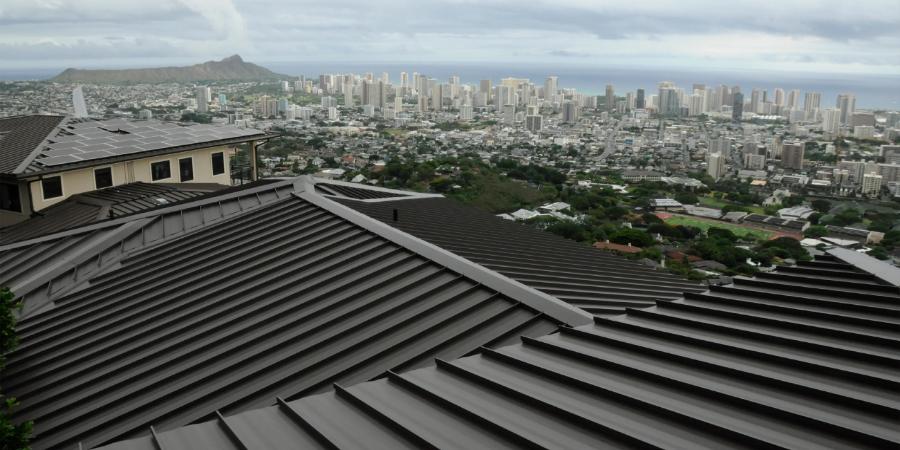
{"x": 89, "y": 140}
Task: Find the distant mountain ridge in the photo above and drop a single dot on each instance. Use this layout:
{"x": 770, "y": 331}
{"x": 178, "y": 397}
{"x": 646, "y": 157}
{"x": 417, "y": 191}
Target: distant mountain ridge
{"x": 233, "y": 68}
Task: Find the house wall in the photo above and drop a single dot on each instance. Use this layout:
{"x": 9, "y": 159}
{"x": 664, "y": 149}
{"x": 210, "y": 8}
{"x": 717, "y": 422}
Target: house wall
{"x": 82, "y": 180}
{"x": 12, "y": 217}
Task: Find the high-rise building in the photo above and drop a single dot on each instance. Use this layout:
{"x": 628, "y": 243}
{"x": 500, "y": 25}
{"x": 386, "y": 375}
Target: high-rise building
{"x": 610, "y": 99}
{"x": 871, "y": 184}
{"x": 569, "y": 112}
{"x": 793, "y": 99}
{"x": 398, "y": 104}
{"x": 509, "y": 114}
{"x": 831, "y": 120}
{"x": 466, "y": 113}
{"x": 846, "y": 103}
{"x": 329, "y": 102}
{"x": 437, "y": 97}
{"x": 715, "y": 165}
{"x": 266, "y": 106}
{"x": 333, "y": 113}
{"x": 202, "y": 99}
{"x": 551, "y": 86}
{"x": 779, "y": 97}
{"x": 756, "y": 100}
{"x": 737, "y": 109}
{"x": 485, "y": 88}
{"x": 639, "y": 101}
{"x": 812, "y": 102}
{"x": 792, "y": 155}
{"x": 347, "y": 90}
{"x": 404, "y": 80}
{"x": 669, "y": 101}
{"x": 855, "y": 169}
{"x": 755, "y": 162}
{"x": 534, "y": 123}
{"x": 862, "y": 118}
{"x": 891, "y": 153}
{"x": 889, "y": 172}
{"x": 864, "y": 132}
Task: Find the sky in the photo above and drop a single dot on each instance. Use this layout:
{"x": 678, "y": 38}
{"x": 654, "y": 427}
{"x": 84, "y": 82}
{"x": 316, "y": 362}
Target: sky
{"x": 853, "y": 37}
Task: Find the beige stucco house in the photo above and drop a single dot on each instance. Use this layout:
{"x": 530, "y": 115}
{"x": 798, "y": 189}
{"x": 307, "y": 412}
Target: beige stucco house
{"x": 45, "y": 159}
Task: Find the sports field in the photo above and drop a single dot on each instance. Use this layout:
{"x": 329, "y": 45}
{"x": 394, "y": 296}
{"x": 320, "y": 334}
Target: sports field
{"x": 705, "y": 224}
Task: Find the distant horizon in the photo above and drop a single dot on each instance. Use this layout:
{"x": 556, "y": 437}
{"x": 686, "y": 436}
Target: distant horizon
{"x": 873, "y": 91}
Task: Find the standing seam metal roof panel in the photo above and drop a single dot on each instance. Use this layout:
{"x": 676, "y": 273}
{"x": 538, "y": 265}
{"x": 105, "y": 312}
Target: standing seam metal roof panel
{"x": 283, "y": 300}
{"x": 779, "y": 367}
{"x": 590, "y": 279}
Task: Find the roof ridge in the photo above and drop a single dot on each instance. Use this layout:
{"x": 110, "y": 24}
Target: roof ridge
{"x": 37, "y": 149}
{"x": 516, "y": 290}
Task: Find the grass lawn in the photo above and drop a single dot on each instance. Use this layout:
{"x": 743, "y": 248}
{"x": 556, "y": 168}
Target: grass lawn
{"x": 711, "y": 202}
{"x": 705, "y": 224}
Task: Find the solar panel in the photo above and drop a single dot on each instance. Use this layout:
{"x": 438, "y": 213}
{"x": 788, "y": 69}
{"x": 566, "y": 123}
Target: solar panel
{"x": 102, "y": 139}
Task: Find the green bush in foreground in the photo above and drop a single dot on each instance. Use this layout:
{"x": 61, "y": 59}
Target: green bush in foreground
{"x": 12, "y": 436}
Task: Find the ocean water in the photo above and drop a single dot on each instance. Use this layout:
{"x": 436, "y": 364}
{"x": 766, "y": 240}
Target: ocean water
{"x": 872, "y": 91}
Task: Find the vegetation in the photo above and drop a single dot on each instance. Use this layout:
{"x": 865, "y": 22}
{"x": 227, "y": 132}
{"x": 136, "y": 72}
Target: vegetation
{"x": 703, "y": 224}
{"x": 196, "y": 117}
{"x": 12, "y": 436}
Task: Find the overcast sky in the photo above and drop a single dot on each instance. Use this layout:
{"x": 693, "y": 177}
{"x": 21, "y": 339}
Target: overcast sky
{"x": 855, "y": 36}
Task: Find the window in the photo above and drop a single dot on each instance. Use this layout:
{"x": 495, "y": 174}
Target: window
{"x": 52, "y": 187}
{"x": 9, "y": 197}
{"x": 218, "y": 163}
{"x": 186, "y": 169}
{"x": 103, "y": 177}
{"x": 160, "y": 170}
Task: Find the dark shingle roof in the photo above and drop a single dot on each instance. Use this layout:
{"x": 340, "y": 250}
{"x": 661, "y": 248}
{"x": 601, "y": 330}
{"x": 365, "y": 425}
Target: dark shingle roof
{"x": 20, "y": 136}
{"x": 588, "y": 278}
{"x": 281, "y": 297}
{"x": 95, "y": 206}
{"x": 765, "y": 363}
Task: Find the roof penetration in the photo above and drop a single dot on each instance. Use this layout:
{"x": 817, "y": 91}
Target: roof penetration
{"x": 281, "y": 300}
{"x": 806, "y": 357}
{"x": 588, "y": 278}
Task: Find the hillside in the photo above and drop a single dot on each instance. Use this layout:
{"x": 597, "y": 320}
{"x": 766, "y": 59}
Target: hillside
{"x": 231, "y": 68}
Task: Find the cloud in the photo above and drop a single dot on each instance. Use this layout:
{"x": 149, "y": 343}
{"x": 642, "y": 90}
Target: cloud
{"x": 792, "y": 34}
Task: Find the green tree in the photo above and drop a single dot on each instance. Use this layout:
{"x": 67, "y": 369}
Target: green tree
{"x": 12, "y": 436}
{"x": 815, "y": 231}
{"x": 846, "y": 217}
{"x": 820, "y": 205}
{"x": 632, "y": 236}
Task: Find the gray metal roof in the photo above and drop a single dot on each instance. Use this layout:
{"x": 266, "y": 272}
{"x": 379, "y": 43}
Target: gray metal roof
{"x": 95, "y": 206}
{"x": 39, "y": 144}
{"x": 80, "y": 140}
{"x": 45, "y": 268}
{"x": 585, "y": 277}
{"x": 20, "y": 136}
{"x": 804, "y": 358}
{"x": 159, "y": 319}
